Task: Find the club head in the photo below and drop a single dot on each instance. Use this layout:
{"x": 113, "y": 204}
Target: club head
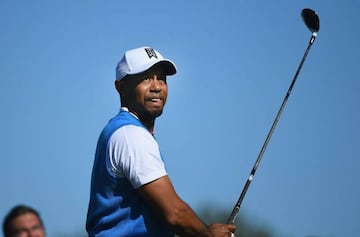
{"x": 311, "y": 19}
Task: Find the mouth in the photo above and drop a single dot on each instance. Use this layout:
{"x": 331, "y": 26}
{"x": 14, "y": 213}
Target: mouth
{"x": 156, "y": 101}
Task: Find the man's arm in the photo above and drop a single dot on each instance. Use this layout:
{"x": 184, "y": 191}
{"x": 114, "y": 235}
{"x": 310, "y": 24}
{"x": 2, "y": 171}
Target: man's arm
{"x": 161, "y": 196}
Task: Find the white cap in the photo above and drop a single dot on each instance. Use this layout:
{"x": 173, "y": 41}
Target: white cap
{"x": 141, "y": 59}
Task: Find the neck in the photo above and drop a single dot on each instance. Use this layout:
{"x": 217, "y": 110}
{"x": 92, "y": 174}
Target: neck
{"x": 149, "y": 124}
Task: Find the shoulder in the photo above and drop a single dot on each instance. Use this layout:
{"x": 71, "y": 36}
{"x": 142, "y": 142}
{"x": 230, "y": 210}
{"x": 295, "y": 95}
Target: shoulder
{"x": 134, "y": 139}
{"x": 132, "y": 133}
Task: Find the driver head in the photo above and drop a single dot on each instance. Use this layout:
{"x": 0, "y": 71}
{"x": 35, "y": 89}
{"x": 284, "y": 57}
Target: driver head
{"x": 311, "y": 20}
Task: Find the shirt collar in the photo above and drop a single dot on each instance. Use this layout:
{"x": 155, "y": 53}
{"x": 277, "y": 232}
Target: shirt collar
{"x": 126, "y": 109}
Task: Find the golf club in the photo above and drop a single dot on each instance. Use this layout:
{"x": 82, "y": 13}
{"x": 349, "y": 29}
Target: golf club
{"x": 311, "y": 20}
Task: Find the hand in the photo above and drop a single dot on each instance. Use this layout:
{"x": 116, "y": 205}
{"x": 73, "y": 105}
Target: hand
{"x": 222, "y": 230}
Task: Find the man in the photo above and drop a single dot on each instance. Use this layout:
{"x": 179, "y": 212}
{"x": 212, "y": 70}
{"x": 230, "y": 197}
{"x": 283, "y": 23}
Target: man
{"x": 131, "y": 193}
{"x": 23, "y": 221}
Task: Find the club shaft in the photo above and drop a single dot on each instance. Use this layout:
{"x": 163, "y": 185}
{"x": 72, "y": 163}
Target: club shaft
{"x": 235, "y": 211}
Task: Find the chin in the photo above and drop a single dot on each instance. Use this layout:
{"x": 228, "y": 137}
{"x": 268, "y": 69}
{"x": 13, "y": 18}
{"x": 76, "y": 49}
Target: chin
{"x": 152, "y": 114}
{"x": 157, "y": 113}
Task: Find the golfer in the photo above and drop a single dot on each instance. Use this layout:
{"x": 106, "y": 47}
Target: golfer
{"x": 131, "y": 193}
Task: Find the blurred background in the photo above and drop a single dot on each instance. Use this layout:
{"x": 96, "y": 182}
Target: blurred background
{"x": 235, "y": 62}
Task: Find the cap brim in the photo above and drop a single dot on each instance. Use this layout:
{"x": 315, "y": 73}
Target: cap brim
{"x": 166, "y": 64}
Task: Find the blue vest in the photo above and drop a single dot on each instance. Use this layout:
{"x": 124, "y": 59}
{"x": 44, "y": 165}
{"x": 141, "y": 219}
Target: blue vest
{"x": 116, "y": 209}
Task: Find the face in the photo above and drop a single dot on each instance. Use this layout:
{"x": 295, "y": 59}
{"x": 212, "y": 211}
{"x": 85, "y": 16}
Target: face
{"x": 147, "y": 94}
{"x": 28, "y": 225}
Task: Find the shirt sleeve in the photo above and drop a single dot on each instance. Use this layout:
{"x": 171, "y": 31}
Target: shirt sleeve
{"x": 135, "y": 155}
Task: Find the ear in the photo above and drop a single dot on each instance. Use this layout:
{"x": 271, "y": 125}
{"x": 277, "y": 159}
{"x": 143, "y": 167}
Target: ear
{"x": 119, "y": 87}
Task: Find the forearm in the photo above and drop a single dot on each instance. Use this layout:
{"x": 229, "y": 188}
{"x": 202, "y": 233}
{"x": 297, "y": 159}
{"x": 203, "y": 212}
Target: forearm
{"x": 161, "y": 196}
{"x": 185, "y": 223}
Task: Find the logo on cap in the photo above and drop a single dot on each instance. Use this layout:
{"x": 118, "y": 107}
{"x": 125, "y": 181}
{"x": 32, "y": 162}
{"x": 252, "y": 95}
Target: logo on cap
{"x": 151, "y": 52}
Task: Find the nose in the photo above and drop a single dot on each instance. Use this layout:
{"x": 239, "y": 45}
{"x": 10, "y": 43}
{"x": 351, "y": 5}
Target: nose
{"x": 156, "y": 85}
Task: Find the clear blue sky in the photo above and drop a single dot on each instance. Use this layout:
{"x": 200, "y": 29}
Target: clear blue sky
{"x": 235, "y": 62}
